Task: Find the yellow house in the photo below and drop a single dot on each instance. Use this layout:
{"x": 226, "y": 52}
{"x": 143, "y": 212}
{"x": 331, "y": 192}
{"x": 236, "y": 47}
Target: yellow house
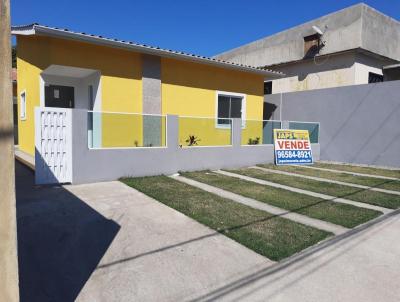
{"x": 124, "y": 85}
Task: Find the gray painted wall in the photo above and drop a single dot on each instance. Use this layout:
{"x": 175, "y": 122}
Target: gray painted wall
{"x": 94, "y": 165}
{"x": 151, "y": 80}
{"x": 359, "y": 124}
{"x": 151, "y": 84}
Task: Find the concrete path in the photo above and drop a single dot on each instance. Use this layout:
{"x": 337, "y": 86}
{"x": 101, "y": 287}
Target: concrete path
{"x": 327, "y": 180}
{"x": 351, "y": 173}
{"x": 362, "y": 267}
{"x": 316, "y": 223}
{"x": 305, "y": 192}
{"x": 24, "y": 158}
{"x": 108, "y": 242}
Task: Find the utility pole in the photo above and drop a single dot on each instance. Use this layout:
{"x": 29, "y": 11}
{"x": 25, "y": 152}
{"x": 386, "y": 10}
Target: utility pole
{"x": 9, "y": 289}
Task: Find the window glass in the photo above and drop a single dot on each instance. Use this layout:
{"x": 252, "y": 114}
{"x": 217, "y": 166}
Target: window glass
{"x": 229, "y": 107}
{"x": 223, "y": 109}
{"x": 236, "y": 108}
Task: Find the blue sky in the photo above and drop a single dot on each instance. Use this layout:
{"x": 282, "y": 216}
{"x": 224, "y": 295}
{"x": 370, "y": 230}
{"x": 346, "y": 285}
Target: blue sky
{"x": 201, "y": 27}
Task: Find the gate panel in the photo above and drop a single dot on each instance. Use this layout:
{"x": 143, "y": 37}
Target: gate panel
{"x": 53, "y": 145}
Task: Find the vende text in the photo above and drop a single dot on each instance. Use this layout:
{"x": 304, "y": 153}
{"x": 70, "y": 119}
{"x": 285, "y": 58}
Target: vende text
{"x": 296, "y": 145}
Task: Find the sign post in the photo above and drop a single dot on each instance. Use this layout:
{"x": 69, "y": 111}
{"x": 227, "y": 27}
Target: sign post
{"x": 292, "y": 147}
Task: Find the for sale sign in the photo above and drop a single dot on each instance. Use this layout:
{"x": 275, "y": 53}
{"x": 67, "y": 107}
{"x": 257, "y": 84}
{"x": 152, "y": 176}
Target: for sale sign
{"x": 292, "y": 147}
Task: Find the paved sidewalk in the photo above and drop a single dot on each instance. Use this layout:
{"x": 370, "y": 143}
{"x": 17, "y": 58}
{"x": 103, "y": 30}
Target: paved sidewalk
{"x": 109, "y": 242}
{"x": 363, "y": 267}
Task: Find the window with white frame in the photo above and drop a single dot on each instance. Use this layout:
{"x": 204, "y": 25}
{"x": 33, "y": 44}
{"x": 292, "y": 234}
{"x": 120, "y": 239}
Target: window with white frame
{"x": 22, "y": 111}
{"x": 229, "y": 106}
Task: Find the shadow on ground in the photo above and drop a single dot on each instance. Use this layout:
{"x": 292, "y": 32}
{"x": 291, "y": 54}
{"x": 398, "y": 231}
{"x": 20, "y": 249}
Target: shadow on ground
{"x": 61, "y": 240}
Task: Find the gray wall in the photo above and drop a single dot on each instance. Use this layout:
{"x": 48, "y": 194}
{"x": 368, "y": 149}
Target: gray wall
{"x": 151, "y": 87}
{"x": 93, "y": 165}
{"x": 151, "y": 80}
{"x": 359, "y": 124}
{"x": 380, "y": 33}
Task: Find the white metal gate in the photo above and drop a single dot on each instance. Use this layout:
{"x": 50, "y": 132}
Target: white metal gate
{"x": 53, "y": 143}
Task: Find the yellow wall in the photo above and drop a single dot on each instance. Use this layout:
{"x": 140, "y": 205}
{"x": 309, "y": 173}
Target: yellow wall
{"x": 189, "y": 89}
{"x": 26, "y": 130}
{"x": 121, "y": 84}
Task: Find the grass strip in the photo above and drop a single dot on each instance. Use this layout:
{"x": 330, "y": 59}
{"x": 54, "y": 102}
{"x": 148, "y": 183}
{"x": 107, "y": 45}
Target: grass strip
{"x": 387, "y": 184}
{"x": 337, "y": 213}
{"x": 358, "y": 169}
{"x": 272, "y": 236}
{"x": 385, "y": 200}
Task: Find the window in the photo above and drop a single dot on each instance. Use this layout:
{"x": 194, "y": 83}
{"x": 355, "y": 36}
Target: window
{"x": 229, "y": 106}
{"x": 22, "y": 114}
{"x": 312, "y": 45}
{"x": 268, "y": 87}
{"x": 374, "y": 77}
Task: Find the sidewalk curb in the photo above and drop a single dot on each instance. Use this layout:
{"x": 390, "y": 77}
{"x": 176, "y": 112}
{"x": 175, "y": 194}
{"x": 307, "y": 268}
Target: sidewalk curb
{"x": 25, "y": 162}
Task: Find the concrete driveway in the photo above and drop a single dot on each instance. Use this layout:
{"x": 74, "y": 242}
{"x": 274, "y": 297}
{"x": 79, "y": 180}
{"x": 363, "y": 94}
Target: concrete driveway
{"x": 108, "y": 242}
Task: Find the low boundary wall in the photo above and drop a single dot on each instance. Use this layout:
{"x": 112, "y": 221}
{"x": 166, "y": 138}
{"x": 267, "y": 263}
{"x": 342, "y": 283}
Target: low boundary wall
{"x": 94, "y": 165}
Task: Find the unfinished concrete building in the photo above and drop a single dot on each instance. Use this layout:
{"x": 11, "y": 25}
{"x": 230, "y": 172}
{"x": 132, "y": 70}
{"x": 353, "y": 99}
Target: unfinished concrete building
{"x": 348, "y": 47}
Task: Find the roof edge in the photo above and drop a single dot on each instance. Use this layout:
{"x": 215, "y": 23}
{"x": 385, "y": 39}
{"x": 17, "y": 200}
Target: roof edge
{"x": 36, "y": 29}
{"x": 357, "y": 50}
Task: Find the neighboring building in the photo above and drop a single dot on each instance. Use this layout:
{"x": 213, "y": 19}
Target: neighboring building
{"x": 61, "y": 68}
{"x": 355, "y": 45}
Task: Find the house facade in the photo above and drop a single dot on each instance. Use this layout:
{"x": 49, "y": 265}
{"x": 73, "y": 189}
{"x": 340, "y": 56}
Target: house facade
{"x": 125, "y": 86}
{"x": 348, "y": 47}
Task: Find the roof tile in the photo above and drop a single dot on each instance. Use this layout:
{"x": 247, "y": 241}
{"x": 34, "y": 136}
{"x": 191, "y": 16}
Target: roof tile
{"x": 36, "y": 25}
